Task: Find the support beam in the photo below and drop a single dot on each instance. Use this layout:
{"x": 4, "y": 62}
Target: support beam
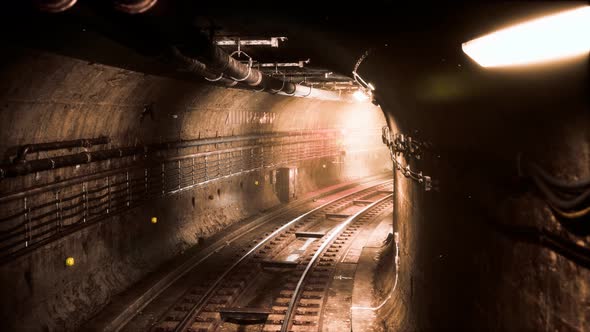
{"x": 234, "y": 41}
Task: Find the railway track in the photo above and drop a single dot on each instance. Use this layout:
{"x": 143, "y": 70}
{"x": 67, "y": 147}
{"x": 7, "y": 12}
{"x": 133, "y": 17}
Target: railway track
{"x": 307, "y": 288}
{"x": 324, "y": 231}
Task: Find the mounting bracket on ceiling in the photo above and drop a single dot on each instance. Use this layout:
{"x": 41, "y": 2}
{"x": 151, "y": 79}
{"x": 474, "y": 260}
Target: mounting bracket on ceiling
{"x": 299, "y": 64}
{"x": 362, "y": 82}
{"x": 237, "y": 41}
{"x": 365, "y": 88}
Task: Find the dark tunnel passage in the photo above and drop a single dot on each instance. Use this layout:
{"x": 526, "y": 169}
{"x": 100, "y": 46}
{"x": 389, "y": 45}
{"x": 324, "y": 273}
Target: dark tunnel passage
{"x": 193, "y": 166}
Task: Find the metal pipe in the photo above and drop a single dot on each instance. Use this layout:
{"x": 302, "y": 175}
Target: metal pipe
{"x": 218, "y": 60}
{"x": 83, "y": 143}
{"x": 27, "y": 167}
{"x": 221, "y": 62}
{"x": 200, "y": 68}
{"x": 271, "y": 84}
{"x": 559, "y": 183}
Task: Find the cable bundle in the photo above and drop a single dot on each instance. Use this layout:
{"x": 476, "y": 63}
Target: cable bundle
{"x": 569, "y": 199}
{"x": 400, "y": 144}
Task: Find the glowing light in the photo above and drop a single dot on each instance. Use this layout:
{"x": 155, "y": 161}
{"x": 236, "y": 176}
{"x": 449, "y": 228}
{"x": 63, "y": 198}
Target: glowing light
{"x": 256, "y": 182}
{"x": 551, "y": 37}
{"x": 70, "y": 261}
{"x": 360, "y": 95}
{"x": 154, "y": 220}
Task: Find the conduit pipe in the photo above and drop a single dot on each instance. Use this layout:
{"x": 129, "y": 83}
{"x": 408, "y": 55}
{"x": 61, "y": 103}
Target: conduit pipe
{"x": 27, "y": 167}
{"x": 199, "y": 68}
{"x": 217, "y": 61}
{"x": 82, "y": 143}
{"x": 32, "y": 166}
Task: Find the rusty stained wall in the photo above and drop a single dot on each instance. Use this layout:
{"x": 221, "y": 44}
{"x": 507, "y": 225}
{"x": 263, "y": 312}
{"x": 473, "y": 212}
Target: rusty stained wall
{"x": 46, "y": 97}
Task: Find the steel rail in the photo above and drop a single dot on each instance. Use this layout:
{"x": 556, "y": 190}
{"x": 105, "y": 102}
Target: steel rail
{"x": 335, "y": 232}
{"x": 131, "y": 309}
{"x": 183, "y": 325}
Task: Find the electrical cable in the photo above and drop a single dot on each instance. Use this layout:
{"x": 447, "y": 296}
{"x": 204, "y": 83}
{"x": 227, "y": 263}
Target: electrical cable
{"x": 398, "y": 146}
{"x": 573, "y": 185}
{"x": 361, "y": 59}
{"x": 571, "y": 214}
{"x": 394, "y": 283}
{"x": 561, "y": 195}
{"x": 565, "y": 247}
{"x": 557, "y": 201}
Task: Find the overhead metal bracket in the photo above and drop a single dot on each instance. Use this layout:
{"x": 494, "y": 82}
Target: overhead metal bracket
{"x": 236, "y": 41}
{"x": 299, "y": 64}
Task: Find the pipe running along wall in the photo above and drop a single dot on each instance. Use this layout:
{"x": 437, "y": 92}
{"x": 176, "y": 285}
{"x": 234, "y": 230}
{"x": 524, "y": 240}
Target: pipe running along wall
{"x": 221, "y": 67}
{"x": 20, "y": 166}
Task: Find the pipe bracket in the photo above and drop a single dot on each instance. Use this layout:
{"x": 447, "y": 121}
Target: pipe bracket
{"x": 214, "y": 79}
{"x": 249, "y": 65}
{"x": 282, "y": 87}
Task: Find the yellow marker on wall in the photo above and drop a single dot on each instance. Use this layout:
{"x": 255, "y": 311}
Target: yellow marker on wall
{"x": 154, "y": 220}
{"x": 256, "y": 182}
{"x": 70, "y": 261}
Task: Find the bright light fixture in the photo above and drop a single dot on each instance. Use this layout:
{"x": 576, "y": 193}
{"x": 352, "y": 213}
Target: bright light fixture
{"x": 360, "y": 95}
{"x": 552, "y": 37}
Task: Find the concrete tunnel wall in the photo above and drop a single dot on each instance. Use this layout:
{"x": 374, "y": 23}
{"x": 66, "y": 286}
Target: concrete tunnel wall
{"x": 46, "y": 97}
{"x": 469, "y": 258}
{"x": 457, "y": 271}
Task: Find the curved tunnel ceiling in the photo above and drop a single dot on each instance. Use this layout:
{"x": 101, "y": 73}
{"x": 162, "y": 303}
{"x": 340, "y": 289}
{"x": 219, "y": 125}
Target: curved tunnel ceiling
{"x": 416, "y": 61}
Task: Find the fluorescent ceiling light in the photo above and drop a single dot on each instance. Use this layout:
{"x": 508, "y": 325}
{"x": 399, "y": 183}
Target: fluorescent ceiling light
{"x": 552, "y": 37}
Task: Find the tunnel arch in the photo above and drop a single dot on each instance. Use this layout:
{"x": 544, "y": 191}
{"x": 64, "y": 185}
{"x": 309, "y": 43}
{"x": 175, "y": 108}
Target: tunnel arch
{"x": 481, "y": 247}
{"x": 53, "y": 98}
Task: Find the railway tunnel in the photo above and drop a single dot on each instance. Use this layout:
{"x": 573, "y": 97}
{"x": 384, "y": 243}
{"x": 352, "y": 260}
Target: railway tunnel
{"x": 266, "y": 166}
